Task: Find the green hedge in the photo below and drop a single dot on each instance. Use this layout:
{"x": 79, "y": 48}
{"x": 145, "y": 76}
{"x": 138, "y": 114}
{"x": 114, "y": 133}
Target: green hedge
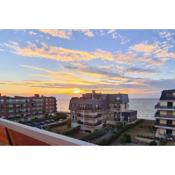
{"x": 126, "y": 138}
{"x": 153, "y": 143}
{"x": 95, "y": 134}
{"x": 116, "y": 133}
{"x": 145, "y": 136}
{"x": 71, "y": 131}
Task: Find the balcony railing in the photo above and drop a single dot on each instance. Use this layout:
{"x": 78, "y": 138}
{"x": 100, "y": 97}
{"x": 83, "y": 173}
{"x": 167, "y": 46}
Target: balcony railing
{"x": 12, "y": 133}
{"x": 164, "y": 107}
{"x": 91, "y": 112}
{"x": 167, "y": 126}
{"x": 158, "y": 115}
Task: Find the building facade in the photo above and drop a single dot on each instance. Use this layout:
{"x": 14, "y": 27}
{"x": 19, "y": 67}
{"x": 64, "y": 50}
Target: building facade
{"x": 93, "y": 110}
{"x": 165, "y": 115}
{"x": 119, "y": 111}
{"x": 18, "y": 106}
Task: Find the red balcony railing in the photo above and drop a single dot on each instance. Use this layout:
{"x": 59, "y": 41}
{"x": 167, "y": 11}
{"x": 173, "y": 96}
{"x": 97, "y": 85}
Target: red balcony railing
{"x": 12, "y": 133}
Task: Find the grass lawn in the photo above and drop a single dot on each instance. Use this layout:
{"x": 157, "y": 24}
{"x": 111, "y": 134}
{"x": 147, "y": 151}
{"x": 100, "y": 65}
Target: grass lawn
{"x": 59, "y": 129}
{"x": 63, "y": 128}
{"x": 144, "y": 128}
{"x": 78, "y": 134}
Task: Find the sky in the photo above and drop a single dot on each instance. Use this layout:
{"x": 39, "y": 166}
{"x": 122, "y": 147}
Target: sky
{"x": 140, "y": 63}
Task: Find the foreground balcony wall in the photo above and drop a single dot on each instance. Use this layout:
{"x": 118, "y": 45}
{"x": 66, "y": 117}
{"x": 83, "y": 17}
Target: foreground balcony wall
{"x": 12, "y": 133}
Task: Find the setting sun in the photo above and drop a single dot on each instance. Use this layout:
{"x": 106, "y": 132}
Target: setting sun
{"x": 76, "y": 91}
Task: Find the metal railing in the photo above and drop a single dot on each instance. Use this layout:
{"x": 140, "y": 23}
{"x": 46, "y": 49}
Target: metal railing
{"x": 161, "y": 125}
{"x": 164, "y": 107}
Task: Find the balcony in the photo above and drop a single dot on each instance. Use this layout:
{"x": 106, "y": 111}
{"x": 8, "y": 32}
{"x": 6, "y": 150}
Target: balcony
{"x": 165, "y": 126}
{"x": 90, "y": 113}
{"x": 158, "y": 106}
{"x": 166, "y": 117}
{"x": 12, "y": 133}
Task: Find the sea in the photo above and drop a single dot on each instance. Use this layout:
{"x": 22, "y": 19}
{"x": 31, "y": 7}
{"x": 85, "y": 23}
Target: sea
{"x": 145, "y": 107}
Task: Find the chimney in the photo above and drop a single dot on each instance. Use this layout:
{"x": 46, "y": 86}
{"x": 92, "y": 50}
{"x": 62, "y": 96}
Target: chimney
{"x": 36, "y": 95}
{"x": 93, "y": 93}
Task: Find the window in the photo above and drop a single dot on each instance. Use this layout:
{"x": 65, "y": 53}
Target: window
{"x": 168, "y": 131}
{"x": 169, "y": 122}
{"x": 170, "y": 104}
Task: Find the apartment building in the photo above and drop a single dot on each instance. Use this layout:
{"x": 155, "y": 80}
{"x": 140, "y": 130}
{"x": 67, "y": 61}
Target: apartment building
{"x": 165, "y": 115}
{"x": 18, "y": 106}
{"x": 93, "y": 110}
{"x": 119, "y": 110}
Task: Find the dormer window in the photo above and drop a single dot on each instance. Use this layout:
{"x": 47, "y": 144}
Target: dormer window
{"x": 169, "y": 94}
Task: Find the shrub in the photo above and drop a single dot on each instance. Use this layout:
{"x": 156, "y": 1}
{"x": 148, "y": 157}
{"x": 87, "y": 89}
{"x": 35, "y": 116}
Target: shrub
{"x": 95, "y": 134}
{"x": 71, "y": 131}
{"x": 162, "y": 142}
{"x": 126, "y": 138}
{"x": 61, "y": 115}
{"x": 153, "y": 143}
{"x": 116, "y": 133}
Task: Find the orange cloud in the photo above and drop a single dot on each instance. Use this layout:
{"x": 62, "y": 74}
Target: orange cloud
{"x": 70, "y": 55}
{"x": 87, "y": 32}
{"x": 57, "y": 53}
{"x": 146, "y": 48}
{"x": 66, "y": 34}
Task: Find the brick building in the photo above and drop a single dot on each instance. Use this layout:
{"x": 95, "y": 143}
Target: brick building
{"x": 19, "y": 106}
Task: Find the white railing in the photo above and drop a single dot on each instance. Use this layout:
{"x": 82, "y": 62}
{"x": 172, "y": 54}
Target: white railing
{"x": 42, "y": 135}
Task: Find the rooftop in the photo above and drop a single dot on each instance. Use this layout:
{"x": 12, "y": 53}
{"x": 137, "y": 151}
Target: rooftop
{"x": 168, "y": 95}
{"x": 23, "y": 97}
{"x": 93, "y": 99}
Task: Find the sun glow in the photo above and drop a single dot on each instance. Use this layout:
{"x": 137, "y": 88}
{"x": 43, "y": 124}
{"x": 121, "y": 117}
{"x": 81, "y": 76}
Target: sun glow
{"x": 76, "y": 91}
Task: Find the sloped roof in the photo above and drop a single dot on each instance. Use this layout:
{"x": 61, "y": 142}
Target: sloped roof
{"x": 168, "y": 95}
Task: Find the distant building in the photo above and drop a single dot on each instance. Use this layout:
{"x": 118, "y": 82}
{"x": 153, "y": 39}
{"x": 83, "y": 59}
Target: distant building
{"x": 18, "y": 106}
{"x": 165, "y": 115}
{"x": 119, "y": 110}
{"x": 93, "y": 110}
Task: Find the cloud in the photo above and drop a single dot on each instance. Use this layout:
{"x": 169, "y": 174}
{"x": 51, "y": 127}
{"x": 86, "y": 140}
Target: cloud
{"x": 146, "y": 48}
{"x": 86, "y": 32}
{"x": 66, "y": 34}
{"x": 32, "y": 33}
{"x": 130, "y": 58}
{"x": 29, "y": 87}
{"x": 168, "y": 35}
{"x": 156, "y": 53}
{"x": 36, "y": 68}
{"x": 57, "y": 53}
{"x": 137, "y": 70}
{"x": 162, "y": 83}
{"x": 115, "y": 35}
{"x": 87, "y": 78}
